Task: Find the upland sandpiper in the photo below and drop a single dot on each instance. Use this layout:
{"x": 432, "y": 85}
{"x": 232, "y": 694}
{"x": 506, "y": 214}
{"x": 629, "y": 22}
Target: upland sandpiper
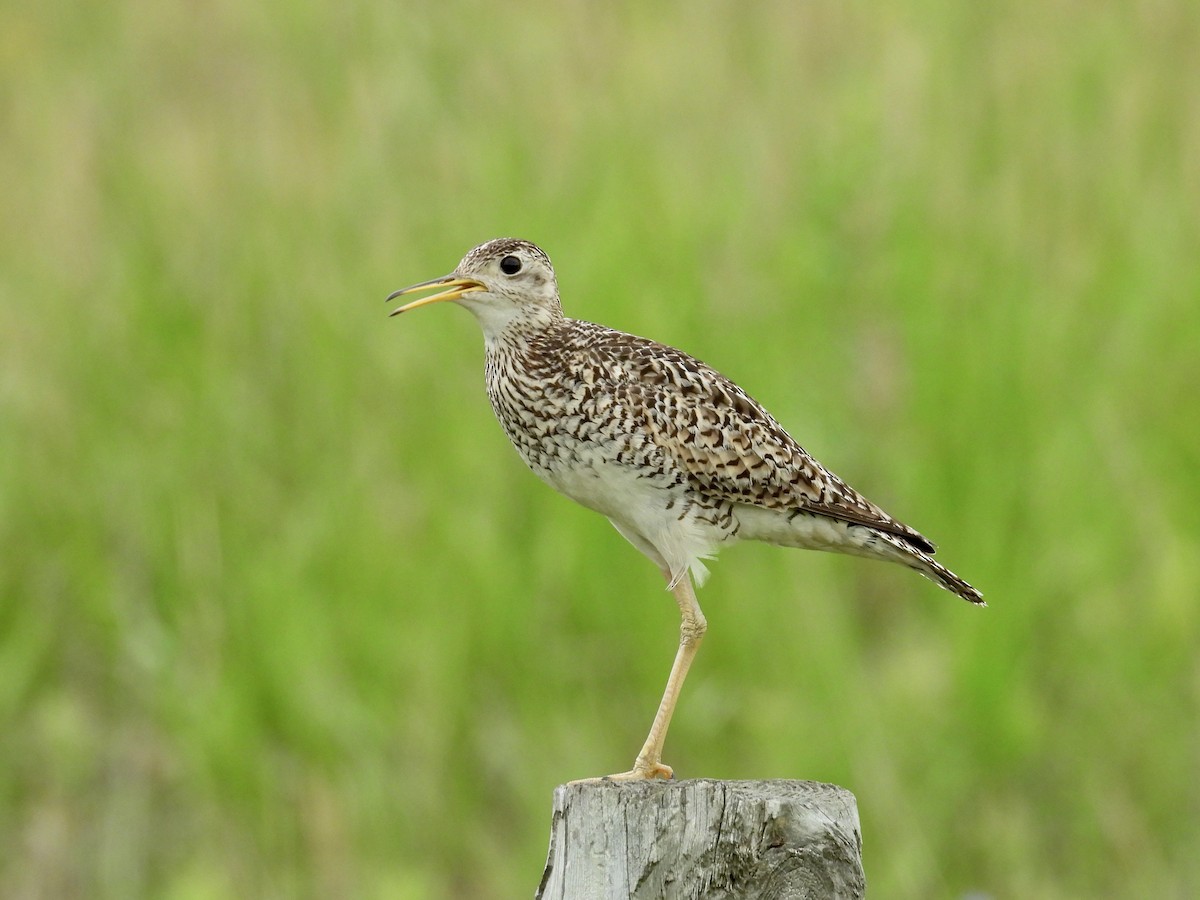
{"x": 680, "y": 459}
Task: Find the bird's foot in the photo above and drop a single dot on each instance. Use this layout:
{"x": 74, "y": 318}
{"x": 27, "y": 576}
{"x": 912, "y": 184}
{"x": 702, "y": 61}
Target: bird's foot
{"x": 641, "y": 771}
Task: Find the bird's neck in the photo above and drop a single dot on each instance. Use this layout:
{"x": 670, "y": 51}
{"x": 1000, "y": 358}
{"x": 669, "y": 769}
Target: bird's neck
{"x": 516, "y": 333}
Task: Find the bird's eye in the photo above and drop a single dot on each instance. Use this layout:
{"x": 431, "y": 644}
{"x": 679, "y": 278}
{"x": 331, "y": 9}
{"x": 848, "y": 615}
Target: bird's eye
{"x": 510, "y": 265}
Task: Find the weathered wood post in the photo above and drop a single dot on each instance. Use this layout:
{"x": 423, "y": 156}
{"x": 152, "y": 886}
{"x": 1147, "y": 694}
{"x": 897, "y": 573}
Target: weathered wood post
{"x": 717, "y": 840}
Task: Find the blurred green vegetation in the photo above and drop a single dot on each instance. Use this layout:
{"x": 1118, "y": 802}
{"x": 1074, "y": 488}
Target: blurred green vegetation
{"x": 282, "y": 614}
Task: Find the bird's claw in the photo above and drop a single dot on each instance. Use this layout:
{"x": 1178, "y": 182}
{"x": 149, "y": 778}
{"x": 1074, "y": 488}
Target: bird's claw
{"x": 641, "y": 771}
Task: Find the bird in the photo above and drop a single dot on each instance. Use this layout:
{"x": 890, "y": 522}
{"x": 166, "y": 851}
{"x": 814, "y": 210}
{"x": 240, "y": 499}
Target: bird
{"x": 680, "y": 459}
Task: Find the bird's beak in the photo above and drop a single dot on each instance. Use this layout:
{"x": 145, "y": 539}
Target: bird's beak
{"x": 452, "y": 288}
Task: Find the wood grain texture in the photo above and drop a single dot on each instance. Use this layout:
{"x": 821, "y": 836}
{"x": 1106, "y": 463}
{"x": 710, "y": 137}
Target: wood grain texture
{"x": 717, "y": 840}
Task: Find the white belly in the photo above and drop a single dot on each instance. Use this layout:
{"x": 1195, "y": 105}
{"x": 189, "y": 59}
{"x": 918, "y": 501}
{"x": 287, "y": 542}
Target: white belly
{"x": 658, "y": 521}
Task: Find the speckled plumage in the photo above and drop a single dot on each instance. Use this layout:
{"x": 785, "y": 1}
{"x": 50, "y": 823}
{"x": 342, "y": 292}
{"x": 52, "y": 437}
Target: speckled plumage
{"x": 589, "y": 408}
{"x": 677, "y": 456}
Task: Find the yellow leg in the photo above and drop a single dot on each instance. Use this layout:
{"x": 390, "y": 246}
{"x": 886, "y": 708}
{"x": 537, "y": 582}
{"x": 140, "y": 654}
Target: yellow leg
{"x": 691, "y": 631}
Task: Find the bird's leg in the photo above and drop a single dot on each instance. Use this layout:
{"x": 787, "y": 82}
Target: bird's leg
{"x": 691, "y": 631}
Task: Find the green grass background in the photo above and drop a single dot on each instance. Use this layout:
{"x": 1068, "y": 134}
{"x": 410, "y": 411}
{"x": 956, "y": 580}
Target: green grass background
{"x": 283, "y": 615}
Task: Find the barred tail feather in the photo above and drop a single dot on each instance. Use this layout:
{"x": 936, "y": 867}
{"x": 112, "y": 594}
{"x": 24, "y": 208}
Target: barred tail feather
{"x": 922, "y": 562}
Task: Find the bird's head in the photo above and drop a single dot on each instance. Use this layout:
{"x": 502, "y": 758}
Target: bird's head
{"x": 502, "y": 282}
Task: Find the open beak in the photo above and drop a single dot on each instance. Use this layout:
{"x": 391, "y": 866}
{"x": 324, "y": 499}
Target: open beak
{"x": 451, "y": 289}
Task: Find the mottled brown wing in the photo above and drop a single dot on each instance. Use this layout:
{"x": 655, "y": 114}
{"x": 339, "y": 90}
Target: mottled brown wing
{"x": 733, "y": 449}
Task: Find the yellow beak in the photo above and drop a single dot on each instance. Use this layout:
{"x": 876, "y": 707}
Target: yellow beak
{"x": 452, "y": 289}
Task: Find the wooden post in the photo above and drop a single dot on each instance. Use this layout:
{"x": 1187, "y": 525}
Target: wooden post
{"x": 717, "y": 840}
